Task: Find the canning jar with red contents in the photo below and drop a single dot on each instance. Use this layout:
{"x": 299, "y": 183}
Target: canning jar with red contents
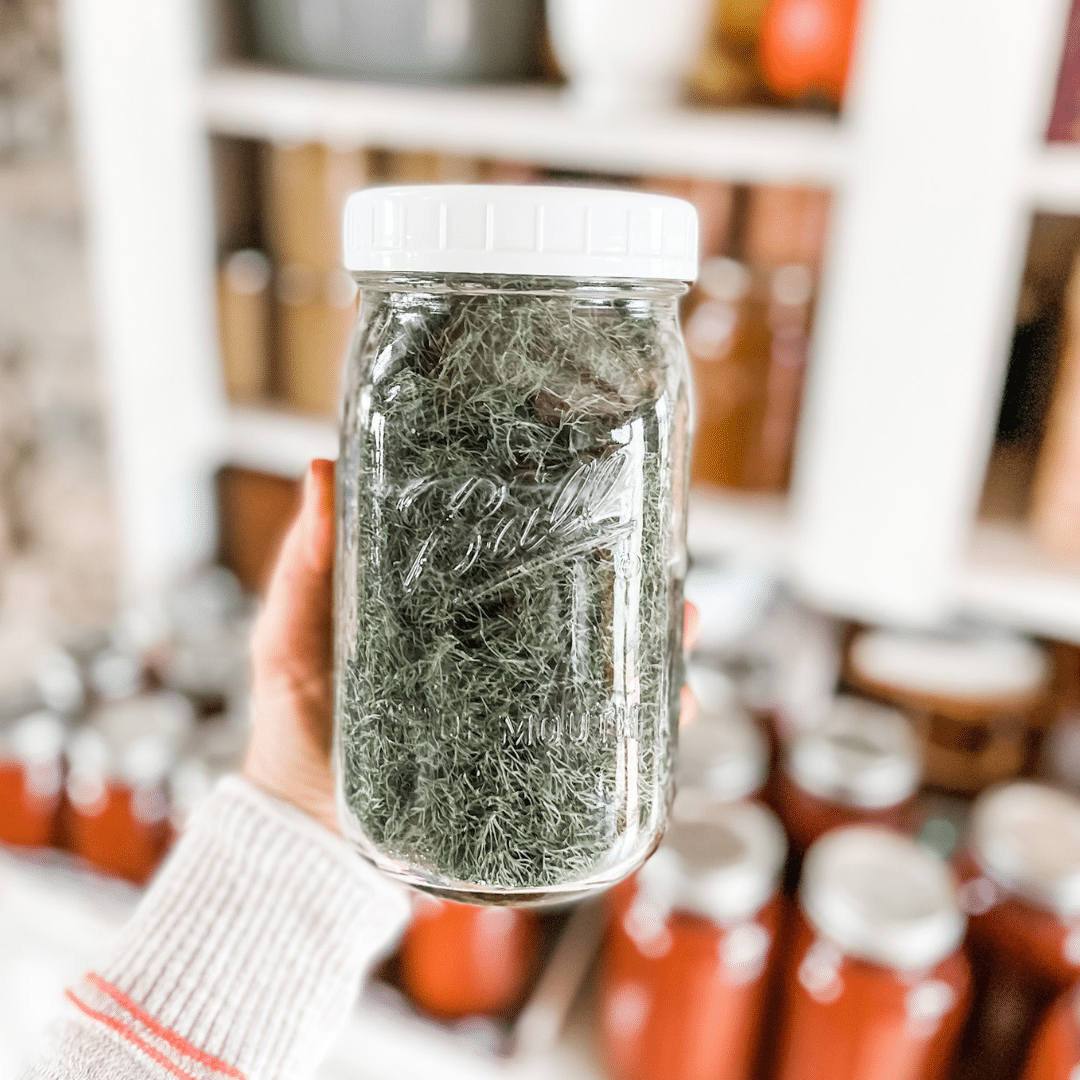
{"x": 31, "y": 780}
{"x": 723, "y": 752}
{"x": 1055, "y": 1051}
{"x": 116, "y": 816}
{"x": 861, "y": 766}
{"x": 1022, "y": 891}
{"x": 459, "y": 960}
{"x": 876, "y": 987}
{"x": 685, "y": 963}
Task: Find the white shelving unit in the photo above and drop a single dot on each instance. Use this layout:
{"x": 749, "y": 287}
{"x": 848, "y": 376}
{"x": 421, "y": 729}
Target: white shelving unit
{"x": 938, "y": 163}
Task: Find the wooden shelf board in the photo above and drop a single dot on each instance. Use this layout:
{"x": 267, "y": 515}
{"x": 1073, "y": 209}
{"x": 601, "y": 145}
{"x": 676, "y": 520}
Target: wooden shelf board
{"x": 1009, "y": 580}
{"x": 278, "y": 442}
{"x": 527, "y": 123}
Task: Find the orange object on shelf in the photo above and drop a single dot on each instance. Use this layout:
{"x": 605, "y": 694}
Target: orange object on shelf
{"x": 116, "y": 815}
{"x": 255, "y": 510}
{"x": 31, "y": 780}
{"x": 747, "y": 334}
{"x": 875, "y": 983}
{"x": 458, "y": 960}
{"x": 686, "y": 961}
{"x": 727, "y": 337}
{"x": 861, "y": 766}
{"x": 805, "y": 47}
{"x": 1023, "y": 895}
{"x": 728, "y": 71}
{"x": 1055, "y": 1051}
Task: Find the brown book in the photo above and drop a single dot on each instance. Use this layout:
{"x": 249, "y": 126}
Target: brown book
{"x": 1055, "y": 503}
{"x": 304, "y": 193}
{"x": 255, "y": 510}
{"x": 243, "y": 294}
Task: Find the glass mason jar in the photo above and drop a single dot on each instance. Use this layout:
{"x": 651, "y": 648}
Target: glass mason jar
{"x": 511, "y": 520}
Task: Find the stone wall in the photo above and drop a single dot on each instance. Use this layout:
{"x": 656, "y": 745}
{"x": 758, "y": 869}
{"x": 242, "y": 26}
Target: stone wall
{"x": 56, "y": 530}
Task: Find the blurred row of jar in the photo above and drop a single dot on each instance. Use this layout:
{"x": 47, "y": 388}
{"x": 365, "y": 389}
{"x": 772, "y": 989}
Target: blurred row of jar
{"x": 613, "y": 55}
{"x": 800, "y": 918}
{"x": 109, "y": 747}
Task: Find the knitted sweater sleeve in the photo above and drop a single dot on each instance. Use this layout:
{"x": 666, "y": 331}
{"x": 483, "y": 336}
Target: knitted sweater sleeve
{"x": 243, "y": 959}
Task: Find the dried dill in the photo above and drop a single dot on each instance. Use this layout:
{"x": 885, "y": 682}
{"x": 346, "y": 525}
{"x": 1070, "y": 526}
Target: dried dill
{"x": 509, "y": 582}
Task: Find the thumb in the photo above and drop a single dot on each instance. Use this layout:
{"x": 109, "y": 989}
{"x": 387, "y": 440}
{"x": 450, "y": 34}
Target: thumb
{"x": 293, "y": 635}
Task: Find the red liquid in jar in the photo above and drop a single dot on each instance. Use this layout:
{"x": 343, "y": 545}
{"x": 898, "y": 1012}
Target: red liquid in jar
{"x": 875, "y": 986}
{"x": 688, "y": 1003}
{"x": 124, "y": 831}
{"x": 1024, "y": 951}
{"x": 458, "y": 960}
{"x": 806, "y": 817}
{"x": 29, "y": 803}
{"x": 686, "y": 960}
{"x": 849, "y": 1019}
{"x": 1055, "y": 1050}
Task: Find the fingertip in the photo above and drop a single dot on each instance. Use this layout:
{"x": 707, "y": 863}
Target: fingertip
{"x": 691, "y": 625}
{"x": 687, "y": 706}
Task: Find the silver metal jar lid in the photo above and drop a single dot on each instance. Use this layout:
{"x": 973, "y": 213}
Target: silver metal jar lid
{"x": 1026, "y": 838}
{"x": 724, "y": 753}
{"x": 718, "y": 859}
{"x": 882, "y": 897}
{"x": 862, "y": 755}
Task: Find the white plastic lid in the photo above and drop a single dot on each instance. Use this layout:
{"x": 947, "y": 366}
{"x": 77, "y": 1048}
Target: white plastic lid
{"x": 882, "y": 897}
{"x": 574, "y": 232}
{"x": 863, "y": 755}
{"x": 1026, "y": 837}
{"x": 164, "y": 714}
{"x": 964, "y": 664}
{"x": 718, "y": 859}
{"x": 37, "y": 739}
{"x": 724, "y": 753}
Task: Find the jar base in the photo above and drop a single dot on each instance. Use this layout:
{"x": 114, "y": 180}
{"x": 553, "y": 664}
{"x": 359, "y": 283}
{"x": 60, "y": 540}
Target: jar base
{"x": 542, "y": 896}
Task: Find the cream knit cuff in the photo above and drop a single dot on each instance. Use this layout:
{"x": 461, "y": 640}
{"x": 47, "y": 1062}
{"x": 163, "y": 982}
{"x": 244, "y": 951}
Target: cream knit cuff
{"x": 251, "y": 942}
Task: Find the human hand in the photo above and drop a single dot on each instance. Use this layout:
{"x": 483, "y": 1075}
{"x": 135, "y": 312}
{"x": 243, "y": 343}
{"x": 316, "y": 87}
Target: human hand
{"x": 292, "y": 661}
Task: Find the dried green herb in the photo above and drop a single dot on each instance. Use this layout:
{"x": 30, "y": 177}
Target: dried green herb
{"x": 509, "y": 588}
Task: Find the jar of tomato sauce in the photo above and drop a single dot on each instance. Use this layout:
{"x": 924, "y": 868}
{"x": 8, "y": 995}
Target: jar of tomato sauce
{"x": 460, "y": 960}
{"x": 117, "y": 807}
{"x": 686, "y": 958}
{"x": 723, "y": 752}
{"x": 876, "y": 985}
{"x": 1055, "y": 1050}
{"x": 31, "y": 779}
{"x": 860, "y": 766}
{"x": 1022, "y": 891}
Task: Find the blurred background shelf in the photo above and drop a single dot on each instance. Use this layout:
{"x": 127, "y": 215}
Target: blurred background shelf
{"x": 1008, "y": 579}
{"x": 276, "y": 441}
{"x": 529, "y": 123}
{"x": 1055, "y": 178}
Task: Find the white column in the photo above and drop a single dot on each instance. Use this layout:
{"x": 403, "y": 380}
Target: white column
{"x": 948, "y": 106}
{"x": 134, "y": 81}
